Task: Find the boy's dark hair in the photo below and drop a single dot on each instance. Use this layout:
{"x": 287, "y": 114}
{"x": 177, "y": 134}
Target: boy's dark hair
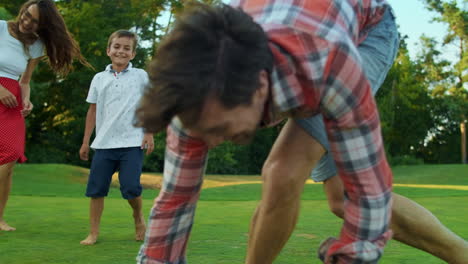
{"x": 121, "y": 33}
{"x": 212, "y": 51}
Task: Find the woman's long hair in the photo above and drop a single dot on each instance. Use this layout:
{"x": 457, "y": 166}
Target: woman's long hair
{"x": 61, "y": 48}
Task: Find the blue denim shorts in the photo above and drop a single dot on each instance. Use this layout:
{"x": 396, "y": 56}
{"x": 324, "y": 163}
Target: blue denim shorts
{"x": 129, "y": 163}
{"x": 378, "y": 52}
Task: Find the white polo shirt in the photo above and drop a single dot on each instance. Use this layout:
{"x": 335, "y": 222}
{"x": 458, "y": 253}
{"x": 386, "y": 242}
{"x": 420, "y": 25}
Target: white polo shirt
{"x": 117, "y": 96}
{"x": 13, "y": 59}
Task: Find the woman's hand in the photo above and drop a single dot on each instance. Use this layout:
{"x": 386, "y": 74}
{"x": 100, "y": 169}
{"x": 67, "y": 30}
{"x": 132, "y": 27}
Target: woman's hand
{"x": 7, "y": 98}
{"x": 27, "y": 107}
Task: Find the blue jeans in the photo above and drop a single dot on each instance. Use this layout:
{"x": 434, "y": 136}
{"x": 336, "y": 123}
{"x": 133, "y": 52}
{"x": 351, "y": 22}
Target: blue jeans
{"x": 128, "y": 161}
{"x": 378, "y": 51}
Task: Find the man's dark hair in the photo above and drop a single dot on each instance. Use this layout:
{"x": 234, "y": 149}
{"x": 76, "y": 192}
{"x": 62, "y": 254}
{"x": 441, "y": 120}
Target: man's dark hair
{"x": 212, "y": 51}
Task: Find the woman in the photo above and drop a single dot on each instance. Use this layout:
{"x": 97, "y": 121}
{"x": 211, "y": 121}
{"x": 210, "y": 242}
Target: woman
{"x": 38, "y": 25}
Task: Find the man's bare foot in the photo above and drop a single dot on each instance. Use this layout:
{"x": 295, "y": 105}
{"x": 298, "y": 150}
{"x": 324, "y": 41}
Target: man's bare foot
{"x": 140, "y": 229}
{"x": 90, "y": 240}
{"x": 5, "y": 227}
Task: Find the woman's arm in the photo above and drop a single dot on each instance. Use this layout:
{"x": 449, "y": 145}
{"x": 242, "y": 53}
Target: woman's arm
{"x": 25, "y": 88}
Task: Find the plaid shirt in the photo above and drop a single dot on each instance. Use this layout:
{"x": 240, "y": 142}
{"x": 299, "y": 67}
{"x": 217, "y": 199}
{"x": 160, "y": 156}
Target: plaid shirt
{"x": 317, "y": 70}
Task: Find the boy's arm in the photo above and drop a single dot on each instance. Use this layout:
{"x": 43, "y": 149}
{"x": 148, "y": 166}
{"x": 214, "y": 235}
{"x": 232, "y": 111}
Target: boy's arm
{"x": 148, "y": 139}
{"x": 148, "y": 143}
{"x": 89, "y": 127}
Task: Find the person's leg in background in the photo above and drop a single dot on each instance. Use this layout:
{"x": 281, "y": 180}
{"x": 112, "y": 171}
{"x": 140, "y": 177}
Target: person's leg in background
{"x": 129, "y": 177}
{"x": 96, "y": 207}
{"x": 6, "y": 179}
{"x": 103, "y": 166}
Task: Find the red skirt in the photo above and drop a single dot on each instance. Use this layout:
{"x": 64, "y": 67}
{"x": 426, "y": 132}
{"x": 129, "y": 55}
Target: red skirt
{"x": 12, "y": 126}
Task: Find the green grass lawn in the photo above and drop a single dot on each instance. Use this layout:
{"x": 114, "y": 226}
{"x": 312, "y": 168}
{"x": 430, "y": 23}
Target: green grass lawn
{"x": 49, "y": 210}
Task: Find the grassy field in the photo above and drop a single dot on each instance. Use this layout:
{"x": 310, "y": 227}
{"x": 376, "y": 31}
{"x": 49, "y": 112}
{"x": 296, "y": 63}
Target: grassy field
{"x": 49, "y": 210}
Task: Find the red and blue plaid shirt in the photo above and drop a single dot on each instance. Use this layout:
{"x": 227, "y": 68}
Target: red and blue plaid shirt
{"x": 317, "y": 70}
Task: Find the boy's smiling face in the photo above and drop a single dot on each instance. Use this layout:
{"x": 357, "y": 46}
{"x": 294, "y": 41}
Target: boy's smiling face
{"x": 121, "y": 52}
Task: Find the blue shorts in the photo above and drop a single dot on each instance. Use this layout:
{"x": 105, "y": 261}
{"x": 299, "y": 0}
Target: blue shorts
{"x": 378, "y": 52}
{"x": 128, "y": 161}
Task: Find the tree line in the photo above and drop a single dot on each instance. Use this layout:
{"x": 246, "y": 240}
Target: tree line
{"x": 423, "y": 103}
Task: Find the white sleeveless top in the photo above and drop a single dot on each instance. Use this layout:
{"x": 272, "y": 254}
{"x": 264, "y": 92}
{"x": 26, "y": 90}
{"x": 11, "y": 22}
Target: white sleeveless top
{"x": 13, "y": 59}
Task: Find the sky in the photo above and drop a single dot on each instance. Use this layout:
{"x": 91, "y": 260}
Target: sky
{"x": 414, "y": 20}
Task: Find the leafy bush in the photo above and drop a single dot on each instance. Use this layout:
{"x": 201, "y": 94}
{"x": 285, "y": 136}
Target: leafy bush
{"x": 405, "y": 160}
{"x": 4, "y": 15}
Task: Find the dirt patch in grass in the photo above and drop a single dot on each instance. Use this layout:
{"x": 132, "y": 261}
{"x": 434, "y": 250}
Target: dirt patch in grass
{"x": 154, "y": 180}
{"x": 309, "y": 236}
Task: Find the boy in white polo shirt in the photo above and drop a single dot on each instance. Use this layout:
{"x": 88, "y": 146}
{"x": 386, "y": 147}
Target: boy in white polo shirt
{"x": 113, "y": 96}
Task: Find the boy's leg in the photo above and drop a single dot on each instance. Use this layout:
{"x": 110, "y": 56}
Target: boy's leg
{"x": 104, "y": 164}
{"x": 412, "y": 224}
{"x": 140, "y": 227}
{"x": 96, "y": 207}
{"x": 6, "y": 174}
{"x": 131, "y": 163}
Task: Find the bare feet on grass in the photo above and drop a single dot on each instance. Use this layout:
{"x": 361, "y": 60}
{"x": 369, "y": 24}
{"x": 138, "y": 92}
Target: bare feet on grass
{"x": 90, "y": 240}
{"x": 5, "y": 227}
{"x": 140, "y": 228}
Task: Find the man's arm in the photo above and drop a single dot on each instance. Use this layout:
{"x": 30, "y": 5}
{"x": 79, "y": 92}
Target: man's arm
{"x": 353, "y": 129}
{"x": 172, "y": 215}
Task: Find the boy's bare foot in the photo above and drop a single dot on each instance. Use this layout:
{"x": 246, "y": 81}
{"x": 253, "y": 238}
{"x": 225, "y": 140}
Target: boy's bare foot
{"x": 5, "y": 227}
{"x": 90, "y": 240}
{"x": 140, "y": 229}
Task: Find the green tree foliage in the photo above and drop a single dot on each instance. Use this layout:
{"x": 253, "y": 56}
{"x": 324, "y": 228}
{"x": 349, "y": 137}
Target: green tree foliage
{"x": 234, "y": 159}
{"x": 12, "y": 6}
{"x": 448, "y": 80}
{"x": 404, "y": 106}
{"x": 4, "y": 14}
{"x": 55, "y": 128}
{"x": 421, "y": 103}
{"x": 456, "y": 19}
{"x": 443, "y": 142}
